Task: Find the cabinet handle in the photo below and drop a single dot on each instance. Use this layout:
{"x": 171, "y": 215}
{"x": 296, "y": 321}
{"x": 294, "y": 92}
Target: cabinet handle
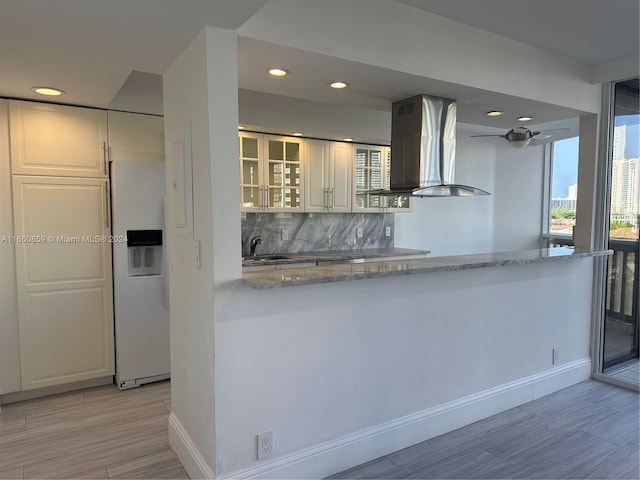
{"x": 108, "y": 208}
{"x": 105, "y": 150}
{"x": 325, "y": 198}
{"x": 266, "y": 197}
{"x": 332, "y": 204}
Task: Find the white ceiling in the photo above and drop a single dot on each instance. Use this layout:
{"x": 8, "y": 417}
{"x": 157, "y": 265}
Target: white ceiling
{"x": 592, "y": 31}
{"x": 108, "y": 53}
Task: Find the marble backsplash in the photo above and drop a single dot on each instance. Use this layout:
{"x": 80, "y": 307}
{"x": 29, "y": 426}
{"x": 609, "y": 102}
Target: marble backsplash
{"x": 315, "y": 232}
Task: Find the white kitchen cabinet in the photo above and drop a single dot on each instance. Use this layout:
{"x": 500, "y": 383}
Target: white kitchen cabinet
{"x": 371, "y": 171}
{"x": 271, "y": 173}
{"x": 64, "y": 279}
{"x": 9, "y": 337}
{"x": 135, "y": 137}
{"x": 328, "y": 176}
{"x": 57, "y": 140}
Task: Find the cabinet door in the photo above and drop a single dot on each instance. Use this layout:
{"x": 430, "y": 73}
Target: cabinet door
{"x": 317, "y": 175}
{"x": 65, "y": 299}
{"x": 252, "y": 190}
{"x": 283, "y": 173}
{"x": 9, "y": 338}
{"x": 368, "y": 171}
{"x": 397, "y": 203}
{"x": 57, "y": 140}
{"x": 135, "y": 137}
{"x": 340, "y": 177}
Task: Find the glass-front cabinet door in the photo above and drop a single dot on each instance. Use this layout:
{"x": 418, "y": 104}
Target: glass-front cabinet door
{"x": 398, "y": 203}
{"x": 372, "y": 168}
{"x": 251, "y": 184}
{"x": 368, "y": 175}
{"x": 270, "y": 173}
{"x": 283, "y": 162}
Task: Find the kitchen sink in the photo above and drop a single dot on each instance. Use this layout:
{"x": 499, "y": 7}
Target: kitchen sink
{"x": 262, "y": 258}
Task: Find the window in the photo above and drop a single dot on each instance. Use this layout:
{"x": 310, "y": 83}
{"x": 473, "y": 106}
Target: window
{"x": 564, "y": 187}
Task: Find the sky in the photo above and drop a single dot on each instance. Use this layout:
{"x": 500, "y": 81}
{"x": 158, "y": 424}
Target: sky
{"x": 565, "y": 155}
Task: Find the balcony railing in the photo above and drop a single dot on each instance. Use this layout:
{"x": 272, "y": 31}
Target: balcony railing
{"x": 621, "y": 302}
{"x": 622, "y": 268}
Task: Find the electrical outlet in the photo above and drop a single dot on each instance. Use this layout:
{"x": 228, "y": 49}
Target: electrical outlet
{"x": 265, "y": 445}
{"x": 555, "y": 353}
{"x": 359, "y": 232}
{"x": 284, "y": 235}
{"x": 387, "y": 231}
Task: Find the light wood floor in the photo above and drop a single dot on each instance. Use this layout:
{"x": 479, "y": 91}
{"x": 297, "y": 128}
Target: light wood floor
{"x": 95, "y": 433}
{"x": 589, "y": 430}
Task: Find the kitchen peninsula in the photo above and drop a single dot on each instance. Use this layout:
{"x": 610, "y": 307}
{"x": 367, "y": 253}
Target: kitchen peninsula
{"x": 337, "y": 272}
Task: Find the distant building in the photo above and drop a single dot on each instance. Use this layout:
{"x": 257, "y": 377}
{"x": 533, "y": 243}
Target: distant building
{"x": 569, "y": 202}
{"x": 625, "y": 186}
{"x": 619, "y": 142}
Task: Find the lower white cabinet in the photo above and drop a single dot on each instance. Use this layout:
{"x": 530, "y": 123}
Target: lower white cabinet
{"x": 64, "y": 279}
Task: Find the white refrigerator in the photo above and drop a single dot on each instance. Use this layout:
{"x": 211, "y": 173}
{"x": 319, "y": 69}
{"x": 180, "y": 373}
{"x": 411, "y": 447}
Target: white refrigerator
{"x": 140, "y": 274}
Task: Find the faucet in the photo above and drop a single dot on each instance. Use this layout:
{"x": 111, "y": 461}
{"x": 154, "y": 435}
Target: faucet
{"x": 255, "y": 241}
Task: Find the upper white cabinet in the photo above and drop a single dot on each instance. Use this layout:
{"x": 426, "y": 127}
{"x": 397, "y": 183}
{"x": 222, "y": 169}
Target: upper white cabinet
{"x": 270, "y": 173}
{"x": 371, "y": 171}
{"x": 135, "y": 137}
{"x": 328, "y": 176}
{"x": 57, "y": 140}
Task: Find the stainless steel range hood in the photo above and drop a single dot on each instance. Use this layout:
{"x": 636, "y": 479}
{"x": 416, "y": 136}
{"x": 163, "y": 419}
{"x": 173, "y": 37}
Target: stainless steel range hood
{"x": 423, "y": 148}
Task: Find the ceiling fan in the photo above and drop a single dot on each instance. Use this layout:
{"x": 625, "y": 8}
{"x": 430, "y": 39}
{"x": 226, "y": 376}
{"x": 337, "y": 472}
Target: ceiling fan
{"x": 519, "y": 137}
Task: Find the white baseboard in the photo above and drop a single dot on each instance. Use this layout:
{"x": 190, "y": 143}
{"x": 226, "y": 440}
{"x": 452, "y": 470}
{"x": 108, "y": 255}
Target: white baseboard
{"x": 189, "y": 455}
{"x": 345, "y": 452}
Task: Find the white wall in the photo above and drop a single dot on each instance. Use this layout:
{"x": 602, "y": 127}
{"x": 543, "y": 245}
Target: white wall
{"x": 200, "y": 90}
{"x": 313, "y": 371}
{"x": 455, "y": 225}
{"x": 518, "y": 197}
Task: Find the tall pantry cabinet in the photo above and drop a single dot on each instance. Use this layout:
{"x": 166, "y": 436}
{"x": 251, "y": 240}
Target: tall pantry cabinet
{"x": 61, "y": 220}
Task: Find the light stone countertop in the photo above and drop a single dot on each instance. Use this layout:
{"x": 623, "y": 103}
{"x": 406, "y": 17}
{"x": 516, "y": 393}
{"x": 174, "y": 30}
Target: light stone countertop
{"x": 339, "y": 272}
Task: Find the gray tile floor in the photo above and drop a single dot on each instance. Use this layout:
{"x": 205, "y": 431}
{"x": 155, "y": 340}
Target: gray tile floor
{"x": 629, "y": 372}
{"x": 589, "y": 430}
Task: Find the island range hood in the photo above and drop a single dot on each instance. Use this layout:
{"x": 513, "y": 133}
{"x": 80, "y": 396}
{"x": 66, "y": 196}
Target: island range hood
{"x": 423, "y": 148}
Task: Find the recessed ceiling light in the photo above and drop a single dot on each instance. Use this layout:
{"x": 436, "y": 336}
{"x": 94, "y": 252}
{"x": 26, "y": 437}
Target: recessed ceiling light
{"x": 54, "y": 92}
{"x": 348, "y": 139}
{"x": 338, "y": 85}
{"x": 278, "y": 72}
{"x": 494, "y": 113}
{"x": 525, "y": 118}
{"x": 297, "y": 134}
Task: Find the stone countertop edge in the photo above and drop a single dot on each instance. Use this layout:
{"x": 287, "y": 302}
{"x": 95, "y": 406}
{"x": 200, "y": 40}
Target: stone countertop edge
{"x": 290, "y": 277}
